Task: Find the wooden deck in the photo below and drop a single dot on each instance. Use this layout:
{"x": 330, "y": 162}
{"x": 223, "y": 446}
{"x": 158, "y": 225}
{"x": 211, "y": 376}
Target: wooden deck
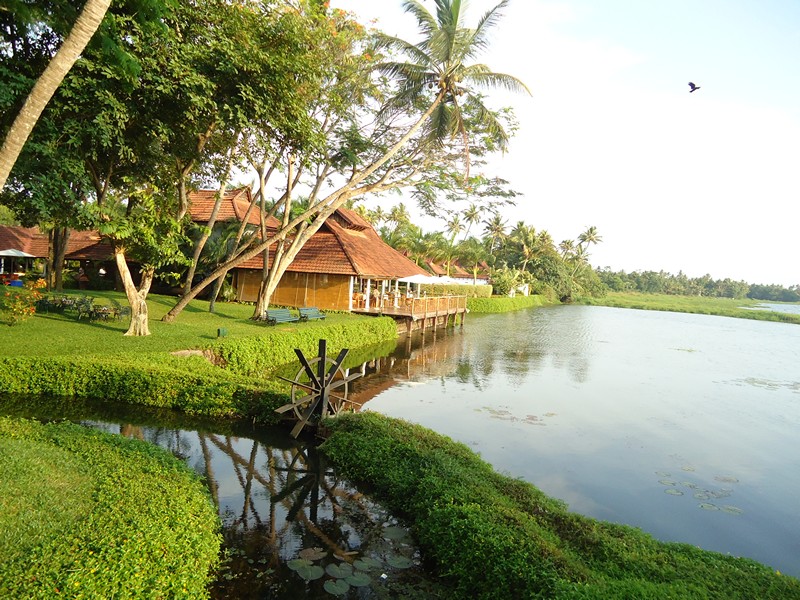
{"x": 421, "y": 313}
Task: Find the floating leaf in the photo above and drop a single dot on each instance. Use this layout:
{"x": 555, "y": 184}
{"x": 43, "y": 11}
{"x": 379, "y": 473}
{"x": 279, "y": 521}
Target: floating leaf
{"x": 310, "y": 573}
{"x": 400, "y": 562}
{"x": 358, "y": 579}
{"x": 394, "y": 533}
{"x": 702, "y": 496}
{"x": 312, "y": 554}
{"x": 337, "y": 587}
{"x": 673, "y": 492}
{"x": 340, "y": 571}
{"x": 298, "y": 563}
{"x": 689, "y": 485}
{"x": 708, "y": 506}
{"x": 722, "y": 479}
{"x": 732, "y": 510}
{"x": 366, "y": 563}
{"x": 687, "y": 468}
{"x": 667, "y": 482}
{"x": 662, "y": 474}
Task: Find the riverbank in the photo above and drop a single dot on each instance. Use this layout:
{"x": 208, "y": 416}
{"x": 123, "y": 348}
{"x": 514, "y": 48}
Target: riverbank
{"x": 723, "y": 307}
{"x": 90, "y": 515}
{"x": 490, "y": 536}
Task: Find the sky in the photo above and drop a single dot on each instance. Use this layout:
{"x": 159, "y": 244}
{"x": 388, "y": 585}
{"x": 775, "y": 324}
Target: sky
{"x": 705, "y": 182}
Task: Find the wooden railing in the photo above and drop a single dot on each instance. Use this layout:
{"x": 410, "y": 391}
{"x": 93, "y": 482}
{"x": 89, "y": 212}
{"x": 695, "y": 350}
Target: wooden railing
{"x": 433, "y": 305}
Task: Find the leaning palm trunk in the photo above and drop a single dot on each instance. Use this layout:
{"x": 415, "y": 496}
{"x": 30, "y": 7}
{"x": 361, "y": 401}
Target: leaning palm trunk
{"x": 319, "y": 211}
{"x": 137, "y": 298}
{"x": 87, "y": 23}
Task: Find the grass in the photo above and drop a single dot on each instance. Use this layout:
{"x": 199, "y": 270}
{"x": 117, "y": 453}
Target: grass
{"x": 725, "y": 307}
{"x": 85, "y": 514}
{"x": 53, "y": 334}
{"x": 489, "y": 536}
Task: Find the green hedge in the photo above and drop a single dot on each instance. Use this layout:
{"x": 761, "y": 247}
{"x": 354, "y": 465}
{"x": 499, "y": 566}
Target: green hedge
{"x": 501, "y": 304}
{"x": 492, "y": 537}
{"x": 244, "y": 387}
{"x": 469, "y": 290}
{"x": 144, "y": 528}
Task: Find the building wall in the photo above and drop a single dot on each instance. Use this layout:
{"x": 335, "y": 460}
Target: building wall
{"x": 331, "y": 292}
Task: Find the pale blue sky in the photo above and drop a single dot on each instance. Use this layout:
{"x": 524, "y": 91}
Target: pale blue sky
{"x": 707, "y": 182}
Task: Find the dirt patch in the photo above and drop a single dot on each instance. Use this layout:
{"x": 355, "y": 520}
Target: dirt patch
{"x": 208, "y": 354}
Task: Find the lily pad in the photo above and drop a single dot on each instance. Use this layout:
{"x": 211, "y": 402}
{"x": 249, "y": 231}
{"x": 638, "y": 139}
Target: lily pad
{"x": 708, "y": 506}
{"x": 339, "y": 571}
{"x": 667, "y": 482}
{"x": 312, "y": 554}
{"x": 298, "y": 563}
{"x": 723, "y": 479}
{"x": 662, "y": 474}
{"x": 311, "y": 572}
{"x": 358, "y": 579}
{"x": 687, "y": 468}
{"x": 337, "y": 587}
{"x": 689, "y": 485}
{"x": 366, "y": 563}
{"x": 400, "y": 562}
{"x": 732, "y": 510}
{"x": 673, "y": 492}
{"x": 702, "y": 496}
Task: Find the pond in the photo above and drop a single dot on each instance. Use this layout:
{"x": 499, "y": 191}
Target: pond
{"x": 683, "y": 425}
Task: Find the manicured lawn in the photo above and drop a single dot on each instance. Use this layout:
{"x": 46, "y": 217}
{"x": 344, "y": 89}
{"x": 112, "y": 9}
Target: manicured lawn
{"x": 725, "y": 307}
{"x": 53, "y": 334}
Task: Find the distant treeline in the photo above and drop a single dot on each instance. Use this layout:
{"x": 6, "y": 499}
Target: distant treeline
{"x": 661, "y": 282}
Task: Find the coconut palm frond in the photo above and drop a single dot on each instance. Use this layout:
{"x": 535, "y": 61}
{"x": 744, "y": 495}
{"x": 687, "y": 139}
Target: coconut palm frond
{"x": 481, "y": 76}
{"x": 425, "y": 20}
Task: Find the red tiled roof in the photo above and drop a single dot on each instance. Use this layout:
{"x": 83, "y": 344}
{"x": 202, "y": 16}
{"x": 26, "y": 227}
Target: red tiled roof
{"x": 233, "y": 208}
{"x": 82, "y": 245}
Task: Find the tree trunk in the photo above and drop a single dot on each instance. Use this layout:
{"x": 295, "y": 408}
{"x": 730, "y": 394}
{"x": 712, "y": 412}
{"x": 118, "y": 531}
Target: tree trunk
{"x": 87, "y": 23}
{"x": 136, "y": 298}
{"x": 320, "y": 211}
{"x": 59, "y": 252}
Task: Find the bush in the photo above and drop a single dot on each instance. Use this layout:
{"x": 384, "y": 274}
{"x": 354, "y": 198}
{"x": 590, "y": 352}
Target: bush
{"x": 145, "y": 526}
{"x": 501, "y": 304}
{"x": 469, "y": 290}
{"x": 492, "y": 537}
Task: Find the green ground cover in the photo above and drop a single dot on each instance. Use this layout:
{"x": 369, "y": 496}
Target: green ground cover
{"x": 84, "y": 514}
{"x": 725, "y": 307}
{"x": 493, "y": 537}
{"x": 501, "y": 304}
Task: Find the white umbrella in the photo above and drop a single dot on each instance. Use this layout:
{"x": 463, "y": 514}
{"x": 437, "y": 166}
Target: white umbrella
{"x": 419, "y": 278}
{"x": 11, "y": 252}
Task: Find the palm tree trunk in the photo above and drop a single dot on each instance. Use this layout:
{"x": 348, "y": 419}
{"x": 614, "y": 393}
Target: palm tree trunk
{"x": 321, "y": 210}
{"x": 87, "y": 23}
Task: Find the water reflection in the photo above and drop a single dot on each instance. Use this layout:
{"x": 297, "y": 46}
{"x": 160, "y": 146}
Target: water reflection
{"x": 595, "y": 405}
{"x": 292, "y": 527}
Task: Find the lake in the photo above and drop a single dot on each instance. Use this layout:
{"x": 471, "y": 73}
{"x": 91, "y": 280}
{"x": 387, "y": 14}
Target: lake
{"x": 683, "y": 425}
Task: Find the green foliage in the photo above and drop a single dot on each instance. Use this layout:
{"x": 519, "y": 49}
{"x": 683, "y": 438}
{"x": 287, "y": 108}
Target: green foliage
{"x": 111, "y": 517}
{"x": 18, "y": 304}
{"x": 493, "y": 537}
{"x": 469, "y": 290}
{"x": 218, "y": 377}
{"x": 725, "y": 307}
{"x": 501, "y": 304}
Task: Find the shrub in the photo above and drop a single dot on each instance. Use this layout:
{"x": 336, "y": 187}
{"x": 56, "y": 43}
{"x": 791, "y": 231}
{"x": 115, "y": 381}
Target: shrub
{"x": 469, "y": 290}
{"x": 147, "y": 526}
{"x": 492, "y": 537}
{"x": 19, "y": 304}
{"x": 500, "y": 304}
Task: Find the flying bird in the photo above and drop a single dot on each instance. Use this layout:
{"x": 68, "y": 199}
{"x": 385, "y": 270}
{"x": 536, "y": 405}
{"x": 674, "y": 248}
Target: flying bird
{"x": 693, "y": 87}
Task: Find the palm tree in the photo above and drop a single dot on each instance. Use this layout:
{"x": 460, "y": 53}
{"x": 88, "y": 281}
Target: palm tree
{"x": 472, "y": 216}
{"x": 87, "y": 23}
{"x": 399, "y": 215}
{"x": 439, "y": 62}
{"x": 454, "y": 227}
{"x": 471, "y": 252}
{"x": 590, "y": 236}
{"x": 527, "y": 239}
{"x": 495, "y": 230}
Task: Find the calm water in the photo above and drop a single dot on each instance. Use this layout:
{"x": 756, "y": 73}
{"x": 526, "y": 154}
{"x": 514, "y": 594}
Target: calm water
{"x": 682, "y": 425}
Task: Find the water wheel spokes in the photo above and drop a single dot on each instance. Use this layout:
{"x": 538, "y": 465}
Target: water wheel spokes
{"x": 319, "y": 389}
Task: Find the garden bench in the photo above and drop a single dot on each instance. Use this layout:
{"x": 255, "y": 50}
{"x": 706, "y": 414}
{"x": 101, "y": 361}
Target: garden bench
{"x": 310, "y": 313}
{"x": 280, "y": 315}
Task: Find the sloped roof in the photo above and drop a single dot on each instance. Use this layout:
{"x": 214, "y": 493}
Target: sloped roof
{"x": 82, "y": 245}
{"x": 233, "y": 208}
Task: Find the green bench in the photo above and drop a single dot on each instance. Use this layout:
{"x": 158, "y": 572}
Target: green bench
{"x": 280, "y": 315}
{"x": 308, "y": 314}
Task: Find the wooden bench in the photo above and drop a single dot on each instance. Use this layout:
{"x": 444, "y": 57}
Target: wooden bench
{"x": 308, "y": 314}
{"x": 280, "y": 315}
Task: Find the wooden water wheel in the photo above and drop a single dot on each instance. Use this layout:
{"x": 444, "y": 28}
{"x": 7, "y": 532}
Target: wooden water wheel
{"x": 319, "y": 389}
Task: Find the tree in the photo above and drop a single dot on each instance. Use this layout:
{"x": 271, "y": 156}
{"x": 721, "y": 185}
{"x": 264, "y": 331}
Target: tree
{"x": 85, "y": 26}
{"x": 394, "y": 154}
{"x": 495, "y": 230}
